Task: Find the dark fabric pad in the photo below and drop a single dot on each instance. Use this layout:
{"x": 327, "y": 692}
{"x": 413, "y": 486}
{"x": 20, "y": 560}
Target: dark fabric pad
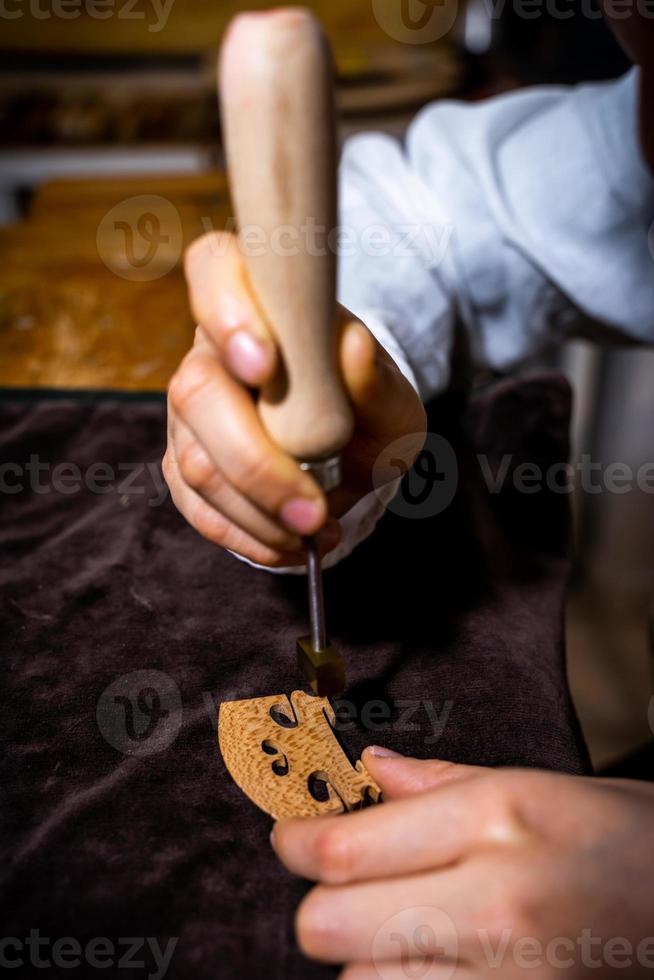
{"x": 118, "y": 816}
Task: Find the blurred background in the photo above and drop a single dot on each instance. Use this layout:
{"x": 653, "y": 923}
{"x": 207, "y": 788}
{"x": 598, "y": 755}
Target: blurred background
{"x": 111, "y": 163}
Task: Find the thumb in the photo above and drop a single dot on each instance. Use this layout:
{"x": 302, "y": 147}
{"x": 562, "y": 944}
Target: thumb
{"x": 399, "y": 776}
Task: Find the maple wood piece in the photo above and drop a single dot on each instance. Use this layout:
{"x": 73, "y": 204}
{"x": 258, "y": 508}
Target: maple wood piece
{"x": 276, "y": 91}
{"x": 282, "y": 752}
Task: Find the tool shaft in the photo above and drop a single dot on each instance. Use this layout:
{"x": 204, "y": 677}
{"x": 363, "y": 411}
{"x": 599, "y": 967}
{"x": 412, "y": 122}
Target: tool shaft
{"x": 276, "y": 88}
{"x": 316, "y": 596}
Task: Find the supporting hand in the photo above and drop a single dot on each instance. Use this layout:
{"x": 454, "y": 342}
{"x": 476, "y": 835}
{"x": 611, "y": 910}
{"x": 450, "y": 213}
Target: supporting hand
{"x": 472, "y": 873}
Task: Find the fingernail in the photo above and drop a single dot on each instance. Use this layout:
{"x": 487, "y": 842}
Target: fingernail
{"x": 247, "y": 356}
{"x": 301, "y": 515}
{"x": 380, "y": 752}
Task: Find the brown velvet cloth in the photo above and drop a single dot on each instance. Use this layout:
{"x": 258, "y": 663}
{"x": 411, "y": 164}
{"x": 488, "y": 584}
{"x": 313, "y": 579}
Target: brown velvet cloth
{"x": 457, "y": 617}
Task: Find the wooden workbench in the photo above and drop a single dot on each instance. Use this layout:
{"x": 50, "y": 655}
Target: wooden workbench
{"x": 80, "y": 307}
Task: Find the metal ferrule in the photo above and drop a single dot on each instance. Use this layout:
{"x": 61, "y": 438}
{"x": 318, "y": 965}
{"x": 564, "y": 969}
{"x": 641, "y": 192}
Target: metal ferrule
{"x": 326, "y": 472}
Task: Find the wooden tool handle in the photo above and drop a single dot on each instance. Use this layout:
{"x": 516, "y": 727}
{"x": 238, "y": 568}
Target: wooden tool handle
{"x": 278, "y": 125}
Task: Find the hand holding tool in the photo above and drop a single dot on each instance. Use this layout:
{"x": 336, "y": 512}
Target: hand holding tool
{"x": 277, "y": 111}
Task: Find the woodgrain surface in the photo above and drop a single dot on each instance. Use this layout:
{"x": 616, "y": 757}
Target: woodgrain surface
{"x": 92, "y": 292}
{"x": 273, "y": 746}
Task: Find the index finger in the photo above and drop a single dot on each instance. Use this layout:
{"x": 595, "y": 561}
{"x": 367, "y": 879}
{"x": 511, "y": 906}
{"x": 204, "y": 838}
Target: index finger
{"x": 222, "y": 302}
{"x": 431, "y": 830}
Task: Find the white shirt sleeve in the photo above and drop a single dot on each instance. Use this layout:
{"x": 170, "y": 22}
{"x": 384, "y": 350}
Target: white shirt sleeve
{"x": 523, "y": 218}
